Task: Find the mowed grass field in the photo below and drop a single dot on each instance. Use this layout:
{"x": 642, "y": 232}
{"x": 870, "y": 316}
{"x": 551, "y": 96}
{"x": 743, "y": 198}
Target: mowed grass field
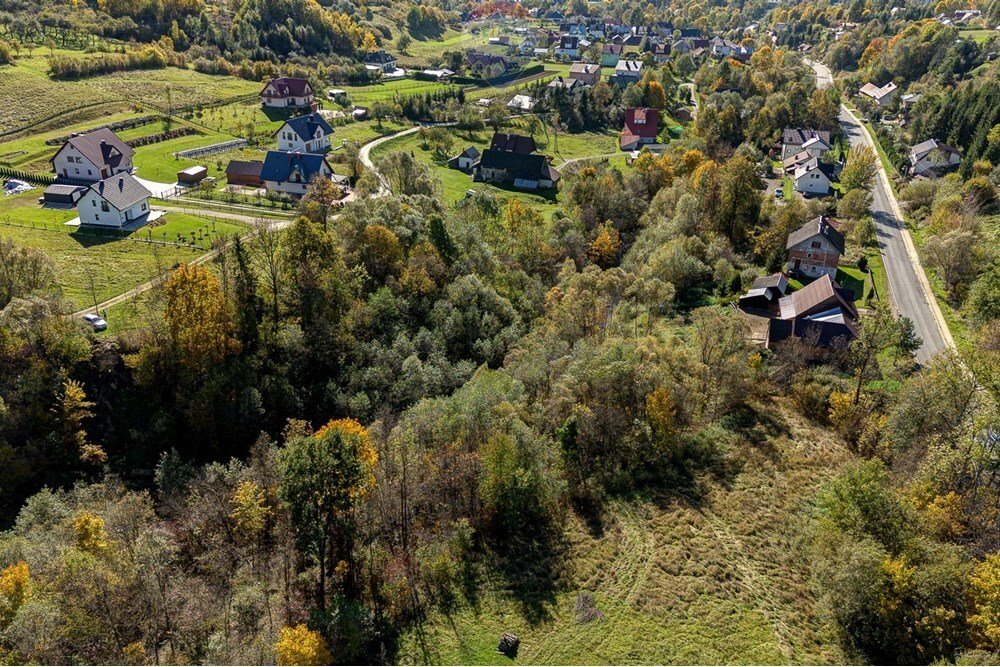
{"x": 89, "y": 266}
{"x": 723, "y": 579}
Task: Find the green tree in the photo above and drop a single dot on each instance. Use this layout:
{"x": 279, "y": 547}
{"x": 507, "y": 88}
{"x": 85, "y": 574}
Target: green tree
{"x": 860, "y": 170}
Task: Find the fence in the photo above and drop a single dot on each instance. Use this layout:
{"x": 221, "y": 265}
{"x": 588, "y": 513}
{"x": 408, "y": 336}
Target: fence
{"x": 192, "y": 153}
{"x": 37, "y": 179}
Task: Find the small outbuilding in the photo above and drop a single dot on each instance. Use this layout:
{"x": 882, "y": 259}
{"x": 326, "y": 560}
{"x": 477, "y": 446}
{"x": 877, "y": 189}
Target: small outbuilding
{"x": 245, "y": 172}
{"x": 192, "y": 175}
{"x": 62, "y": 195}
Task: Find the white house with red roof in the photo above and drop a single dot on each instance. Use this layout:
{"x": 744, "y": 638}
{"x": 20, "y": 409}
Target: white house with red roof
{"x": 287, "y": 92}
{"x": 641, "y": 127}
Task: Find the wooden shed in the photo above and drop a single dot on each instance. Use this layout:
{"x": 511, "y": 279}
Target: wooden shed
{"x": 244, "y": 172}
{"x": 192, "y": 175}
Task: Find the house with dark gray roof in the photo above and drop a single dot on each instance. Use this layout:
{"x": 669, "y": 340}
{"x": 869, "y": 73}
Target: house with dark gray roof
{"x": 92, "y": 156}
{"x": 814, "y": 249}
{"x": 525, "y": 171}
{"x": 291, "y": 173}
{"x": 118, "y": 201}
{"x": 793, "y": 140}
{"x": 512, "y": 143}
{"x": 308, "y": 134}
{"x": 380, "y": 61}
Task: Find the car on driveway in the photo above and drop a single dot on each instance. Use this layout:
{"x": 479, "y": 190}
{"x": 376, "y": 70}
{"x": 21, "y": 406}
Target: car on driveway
{"x": 779, "y": 193}
{"x": 96, "y": 322}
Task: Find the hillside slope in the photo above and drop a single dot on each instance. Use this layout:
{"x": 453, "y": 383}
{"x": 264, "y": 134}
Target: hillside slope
{"x": 721, "y": 580}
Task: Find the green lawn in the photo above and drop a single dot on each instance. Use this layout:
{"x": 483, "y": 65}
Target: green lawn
{"x": 87, "y": 264}
{"x": 979, "y": 36}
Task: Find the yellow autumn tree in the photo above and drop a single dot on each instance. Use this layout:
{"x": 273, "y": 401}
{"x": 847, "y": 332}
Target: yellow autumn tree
{"x": 90, "y": 533}
{"x": 15, "y": 590}
{"x": 299, "y": 645}
{"x": 198, "y": 318}
{"x": 250, "y": 509}
{"x": 603, "y": 250}
{"x": 984, "y": 584}
{"x": 655, "y": 96}
{"x": 368, "y": 44}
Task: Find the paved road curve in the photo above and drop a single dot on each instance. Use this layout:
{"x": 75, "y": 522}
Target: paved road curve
{"x": 909, "y": 292}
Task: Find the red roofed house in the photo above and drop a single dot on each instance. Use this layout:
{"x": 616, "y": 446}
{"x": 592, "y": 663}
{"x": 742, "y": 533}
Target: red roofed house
{"x": 641, "y": 127}
{"x": 286, "y": 92}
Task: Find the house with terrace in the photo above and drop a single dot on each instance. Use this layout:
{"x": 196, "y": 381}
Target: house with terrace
{"x": 92, "y": 156}
{"x": 307, "y": 134}
{"x": 933, "y": 158}
{"x": 119, "y": 202}
{"x": 291, "y": 173}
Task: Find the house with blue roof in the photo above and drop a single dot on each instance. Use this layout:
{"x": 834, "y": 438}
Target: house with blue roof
{"x": 307, "y": 134}
{"x": 291, "y": 173}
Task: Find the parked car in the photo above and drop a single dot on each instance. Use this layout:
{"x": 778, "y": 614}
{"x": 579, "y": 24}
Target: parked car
{"x": 96, "y": 322}
{"x": 779, "y": 193}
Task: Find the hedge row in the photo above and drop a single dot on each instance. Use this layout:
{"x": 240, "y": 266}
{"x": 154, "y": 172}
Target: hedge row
{"x": 162, "y": 136}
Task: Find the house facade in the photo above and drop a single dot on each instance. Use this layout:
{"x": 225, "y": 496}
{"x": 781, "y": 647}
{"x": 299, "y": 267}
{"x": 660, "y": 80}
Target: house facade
{"x": 287, "y": 92}
{"x": 307, "y": 134}
{"x": 813, "y": 178}
{"x": 611, "y": 54}
{"x": 117, "y": 201}
{"x": 380, "y": 61}
{"x": 882, "y": 96}
{"x": 794, "y": 140}
{"x": 464, "y": 160}
{"x": 525, "y": 171}
{"x": 569, "y": 46}
{"x": 93, "y": 156}
{"x": 626, "y": 72}
{"x": 814, "y": 249}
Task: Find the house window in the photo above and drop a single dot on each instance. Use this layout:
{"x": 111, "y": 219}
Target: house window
{"x": 104, "y": 206}
{"x": 816, "y": 244}
{"x": 143, "y": 206}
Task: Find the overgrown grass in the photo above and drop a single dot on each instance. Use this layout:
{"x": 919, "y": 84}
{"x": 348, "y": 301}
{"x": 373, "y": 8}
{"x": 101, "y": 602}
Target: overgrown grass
{"x": 724, "y": 579}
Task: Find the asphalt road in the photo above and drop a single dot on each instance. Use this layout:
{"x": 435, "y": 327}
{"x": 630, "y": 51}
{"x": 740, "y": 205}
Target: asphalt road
{"x": 909, "y": 292}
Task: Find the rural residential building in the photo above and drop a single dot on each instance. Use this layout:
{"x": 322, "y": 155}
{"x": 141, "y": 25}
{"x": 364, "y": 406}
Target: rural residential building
{"x": 569, "y": 46}
{"x": 933, "y": 158}
{"x": 611, "y": 54}
{"x": 626, "y": 72}
{"x": 287, "y": 92}
{"x": 291, "y": 173}
{"x": 117, "y": 201}
{"x": 641, "y": 127}
{"x": 571, "y": 87}
{"x": 307, "y": 134}
{"x": 794, "y": 140}
{"x": 880, "y": 95}
{"x": 380, "y": 61}
{"x": 585, "y": 73}
{"x": 92, "y": 156}
{"x": 464, "y": 160}
{"x": 525, "y": 171}
{"x": 813, "y": 177}
{"x": 521, "y": 103}
{"x": 513, "y": 143}
{"x": 814, "y": 249}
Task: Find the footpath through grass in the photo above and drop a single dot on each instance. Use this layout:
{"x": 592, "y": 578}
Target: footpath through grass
{"x": 724, "y": 579}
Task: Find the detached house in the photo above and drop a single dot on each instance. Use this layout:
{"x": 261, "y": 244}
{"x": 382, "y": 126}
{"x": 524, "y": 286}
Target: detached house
{"x": 611, "y": 54}
{"x": 291, "y": 173}
{"x": 287, "y": 92}
{"x": 511, "y": 159}
{"x": 569, "y": 46}
{"x": 571, "y": 87}
{"x": 933, "y": 158}
{"x": 822, "y": 313}
{"x": 626, "y": 72}
{"x": 380, "y": 61}
{"x": 117, "y": 201}
{"x": 813, "y": 177}
{"x": 92, "y": 156}
{"x": 307, "y": 134}
{"x": 881, "y": 96}
{"x": 585, "y": 73}
{"x": 464, "y": 160}
{"x": 641, "y": 127}
{"x": 814, "y": 249}
{"x": 794, "y": 140}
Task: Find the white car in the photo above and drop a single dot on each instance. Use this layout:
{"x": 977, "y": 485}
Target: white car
{"x": 96, "y": 322}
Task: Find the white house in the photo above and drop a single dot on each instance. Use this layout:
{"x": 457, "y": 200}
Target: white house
{"x": 117, "y": 201}
{"x": 285, "y": 92}
{"x": 932, "y": 158}
{"x": 92, "y": 156}
{"x": 813, "y": 178}
{"x": 307, "y": 134}
{"x": 521, "y": 103}
{"x": 882, "y": 96}
{"x": 569, "y": 46}
{"x": 816, "y": 147}
{"x": 794, "y": 140}
{"x": 291, "y": 173}
{"x": 380, "y": 61}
